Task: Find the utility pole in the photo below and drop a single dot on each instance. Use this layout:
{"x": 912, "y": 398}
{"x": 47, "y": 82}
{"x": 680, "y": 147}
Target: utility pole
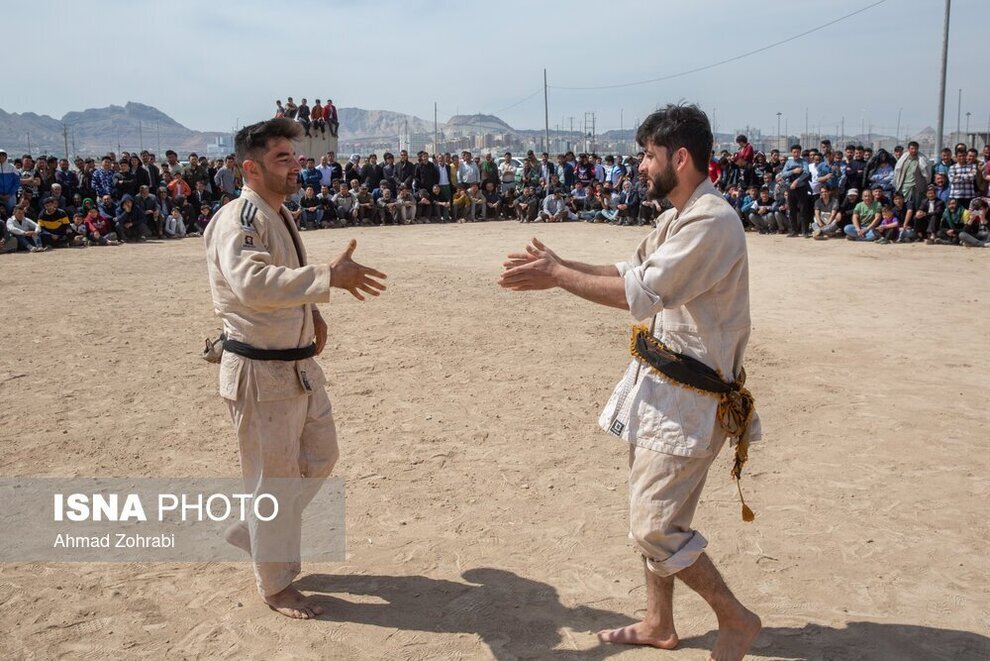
{"x": 65, "y": 138}
{"x": 843, "y": 138}
{"x": 141, "y": 134}
{"x": 546, "y": 111}
{"x": 158, "y": 134}
{"x": 74, "y": 141}
{"x": 959, "y": 112}
{"x": 778, "y": 131}
{"x": 967, "y": 125}
{"x": 940, "y": 133}
{"x": 897, "y": 135}
{"x": 621, "y": 111}
{"x": 806, "y": 121}
{"x": 29, "y": 141}
{"x": 436, "y": 130}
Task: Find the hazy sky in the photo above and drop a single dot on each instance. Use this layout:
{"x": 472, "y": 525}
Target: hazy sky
{"x": 210, "y": 65}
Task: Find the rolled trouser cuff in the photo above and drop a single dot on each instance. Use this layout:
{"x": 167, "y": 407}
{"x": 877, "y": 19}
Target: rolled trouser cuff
{"x": 686, "y": 556}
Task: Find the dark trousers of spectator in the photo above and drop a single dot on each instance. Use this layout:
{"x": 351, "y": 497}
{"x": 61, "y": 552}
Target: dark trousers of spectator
{"x": 977, "y": 240}
{"x": 27, "y": 242}
{"x": 799, "y": 206}
{"x": 156, "y": 226}
{"x": 320, "y": 124}
{"x": 135, "y": 232}
{"x": 305, "y": 124}
{"x": 646, "y": 214}
{"x": 55, "y": 240}
{"x": 333, "y": 127}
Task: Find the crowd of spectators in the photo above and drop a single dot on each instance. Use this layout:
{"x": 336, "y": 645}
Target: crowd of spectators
{"x": 464, "y": 188}
{"x": 823, "y": 192}
{"x": 113, "y": 200}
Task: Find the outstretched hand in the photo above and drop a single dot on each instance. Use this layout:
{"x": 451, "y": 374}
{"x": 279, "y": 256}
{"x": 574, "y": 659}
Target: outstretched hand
{"x": 347, "y": 274}
{"x": 531, "y": 270}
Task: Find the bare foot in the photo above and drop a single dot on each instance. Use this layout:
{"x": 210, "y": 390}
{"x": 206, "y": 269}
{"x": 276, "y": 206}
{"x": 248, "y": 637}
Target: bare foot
{"x": 238, "y": 535}
{"x": 735, "y": 637}
{"x": 640, "y": 634}
{"x": 293, "y": 603}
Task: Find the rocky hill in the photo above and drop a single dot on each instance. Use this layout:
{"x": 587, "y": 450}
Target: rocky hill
{"x": 97, "y": 130}
{"x": 360, "y": 123}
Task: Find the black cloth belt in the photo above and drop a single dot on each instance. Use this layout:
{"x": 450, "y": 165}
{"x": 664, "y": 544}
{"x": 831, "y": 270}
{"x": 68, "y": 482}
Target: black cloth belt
{"x": 285, "y": 355}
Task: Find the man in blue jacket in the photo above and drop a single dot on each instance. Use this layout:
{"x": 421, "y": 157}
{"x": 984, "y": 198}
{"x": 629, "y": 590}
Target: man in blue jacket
{"x": 10, "y": 182}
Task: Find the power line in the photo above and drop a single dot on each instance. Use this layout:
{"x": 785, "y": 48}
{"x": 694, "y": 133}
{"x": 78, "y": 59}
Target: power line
{"x": 517, "y": 102}
{"x": 731, "y": 59}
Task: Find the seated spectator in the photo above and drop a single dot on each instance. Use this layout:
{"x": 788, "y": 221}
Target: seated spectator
{"x": 526, "y": 206}
{"x": 178, "y": 186}
{"x": 344, "y": 202}
{"x": 493, "y": 200}
{"x": 889, "y": 226}
{"x": 175, "y": 225}
{"x": 476, "y": 208}
{"x": 130, "y": 222}
{"x": 460, "y": 203}
{"x": 203, "y": 219}
{"x": 952, "y": 222}
{"x": 55, "y": 226}
{"x": 919, "y": 221}
{"x": 312, "y": 211}
{"x": 976, "y": 233}
{"x": 629, "y": 202}
{"x": 424, "y": 205}
{"x": 865, "y": 219}
{"x": 365, "y": 206}
{"x": 99, "y": 230}
{"x": 316, "y": 118}
{"x": 826, "y": 220}
{"x": 761, "y": 215}
{"x": 554, "y": 209}
{"x": 387, "y": 214}
{"x": 304, "y": 117}
{"x": 330, "y": 117}
{"x": 153, "y": 215}
{"x": 25, "y": 232}
{"x": 441, "y": 204}
{"x": 405, "y": 206}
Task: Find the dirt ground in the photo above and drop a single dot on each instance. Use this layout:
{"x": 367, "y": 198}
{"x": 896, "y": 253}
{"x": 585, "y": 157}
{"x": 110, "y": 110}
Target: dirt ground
{"x": 486, "y": 512}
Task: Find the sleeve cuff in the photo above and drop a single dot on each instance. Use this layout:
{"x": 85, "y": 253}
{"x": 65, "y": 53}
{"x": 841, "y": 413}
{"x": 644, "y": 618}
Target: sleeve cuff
{"x": 623, "y": 267}
{"x": 643, "y": 303}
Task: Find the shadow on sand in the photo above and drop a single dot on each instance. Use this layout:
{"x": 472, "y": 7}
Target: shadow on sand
{"x": 521, "y": 618}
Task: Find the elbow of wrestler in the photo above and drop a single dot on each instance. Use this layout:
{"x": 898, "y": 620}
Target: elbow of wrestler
{"x": 643, "y": 301}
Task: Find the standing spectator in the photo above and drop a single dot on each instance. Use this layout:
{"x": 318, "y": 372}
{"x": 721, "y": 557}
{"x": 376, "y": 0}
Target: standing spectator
{"x": 177, "y": 186}
{"x": 468, "y": 172}
{"x": 489, "y": 171}
{"x": 197, "y": 171}
{"x": 124, "y": 180}
{"x": 24, "y": 231}
{"x": 371, "y": 172}
{"x": 10, "y": 182}
{"x": 962, "y": 181}
{"x": 148, "y": 173}
{"x": 330, "y": 117}
{"x": 912, "y": 174}
{"x": 796, "y": 176}
{"x": 404, "y": 171}
{"x": 945, "y": 162}
{"x": 425, "y": 173}
{"x": 566, "y": 171}
{"x": 742, "y": 162}
{"x": 67, "y": 179}
{"x": 103, "y": 179}
{"x": 225, "y": 178}
{"x": 326, "y": 171}
{"x": 507, "y": 172}
{"x": 309, "y": 176}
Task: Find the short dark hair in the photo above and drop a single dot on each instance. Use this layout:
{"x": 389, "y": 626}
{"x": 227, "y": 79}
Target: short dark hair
{"x": 913, "y": 144}
{"x": 253, "y": 139}
{"x": 741, "y": 138}
{"x": 793, "y": 147}
{"x": 677, "y": 126}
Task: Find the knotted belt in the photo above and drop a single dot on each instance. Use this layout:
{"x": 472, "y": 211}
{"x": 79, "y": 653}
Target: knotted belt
{"x": 735, "y": 402}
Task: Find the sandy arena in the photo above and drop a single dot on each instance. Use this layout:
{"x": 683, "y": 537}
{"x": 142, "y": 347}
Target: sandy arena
{"x": 486, "y": 512}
